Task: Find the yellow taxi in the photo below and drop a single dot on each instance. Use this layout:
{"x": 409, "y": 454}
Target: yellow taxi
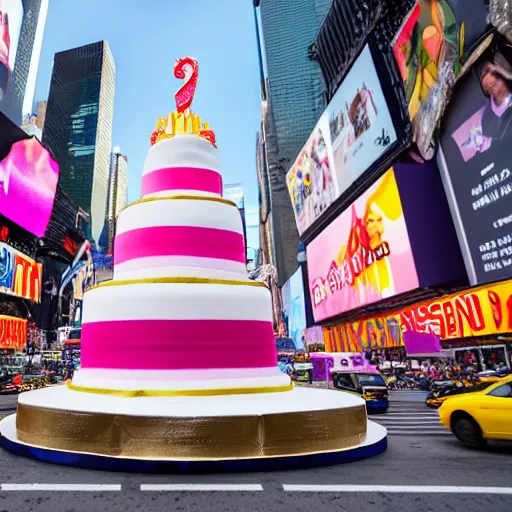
{"x": 476, "y": 417}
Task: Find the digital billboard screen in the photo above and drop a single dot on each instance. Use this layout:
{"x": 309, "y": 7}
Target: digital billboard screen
{"x": 28, "y": 183}
{"x": 364, "y": 255}
{"x": 19, "y": 275}
{"x": 295, "y": 308}
{"x": 434, "y": 41}
{"x": 11, "y": 19}
{"x": 353, "y": 132}
{"x": 475, "y": 161}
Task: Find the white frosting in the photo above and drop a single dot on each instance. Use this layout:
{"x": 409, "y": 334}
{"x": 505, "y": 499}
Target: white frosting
{"x": 180, "y": 212}
{"x": 182, "y": 151}
{"x": 300, "y": 399}
{"x": 197, "y": 193}
{"x": 177, "y": 301}
{"x": 180, "y": 266}
{"x": 129, "y": 380}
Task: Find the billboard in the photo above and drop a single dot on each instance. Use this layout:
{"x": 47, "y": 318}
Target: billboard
{"x": 352, "y": 133}
{"x": 477, "y": 312}
{"x": 475, "y": 161}
{"x": 28, "y": 183}
{"x": 294, "y": 305}
{"x": 433, "y": 42}
{"x": 19, "y": 275}
{"x": 13, "y": 333}
{"x": 364, "y": 255}
{"x": 22, "y": 25}
{"x": 11, "y": 19}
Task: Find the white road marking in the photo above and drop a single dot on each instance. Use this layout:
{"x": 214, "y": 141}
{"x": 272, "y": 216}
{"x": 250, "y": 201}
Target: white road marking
{"x": 398, "y": 431}
{"x": 61, "y": 487}
{"x": 412, "y": 427}
{"x": 405, "y": 421}
{"x": 405, "y": 415}
{"x": 201, "y": 487}
{"x": 422, "y": 489}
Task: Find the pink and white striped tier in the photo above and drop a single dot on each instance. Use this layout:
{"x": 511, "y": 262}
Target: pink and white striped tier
{"x": 175, "y": 326}
{"x": 157, "y": 236}
{"x": 184, "y": 164}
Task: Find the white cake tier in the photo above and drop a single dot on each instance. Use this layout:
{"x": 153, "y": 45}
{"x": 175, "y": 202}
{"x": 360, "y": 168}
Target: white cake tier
{"x": 222, "y": 381}
{"x": 179, "y": 231}
{"x": 178, "y": 324}
{"x": 216, "y": 428}
{"x": 182, "y": 164}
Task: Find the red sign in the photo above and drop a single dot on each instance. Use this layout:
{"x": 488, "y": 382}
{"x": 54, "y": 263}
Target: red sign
{"x": 27, "y": 278}
{"x": 13, "y": 332}
{"x": 4, "y": 233}
{"x": 70, "y": 246}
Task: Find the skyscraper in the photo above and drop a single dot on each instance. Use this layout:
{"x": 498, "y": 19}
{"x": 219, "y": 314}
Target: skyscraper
{"x": 78, "y": 127}
{"x": 292, "y": 102}
{"x": 27, "y": 19}
{"x": 117, "y": 193}
{"x": 294, "y": 79}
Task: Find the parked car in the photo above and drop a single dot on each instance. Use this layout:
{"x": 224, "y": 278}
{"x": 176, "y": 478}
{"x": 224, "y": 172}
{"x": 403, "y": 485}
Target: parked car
{"x": 477, "y": 417}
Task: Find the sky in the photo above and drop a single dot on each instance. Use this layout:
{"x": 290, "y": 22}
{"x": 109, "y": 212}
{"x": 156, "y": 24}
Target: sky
{"x": 146, "y": 37}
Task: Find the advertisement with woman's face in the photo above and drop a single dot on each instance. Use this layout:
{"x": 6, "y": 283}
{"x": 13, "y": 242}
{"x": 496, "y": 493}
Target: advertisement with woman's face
{"x": 364, "y": 255}
{"x": 11, "y": 18}
{"x": 475, "y": 160}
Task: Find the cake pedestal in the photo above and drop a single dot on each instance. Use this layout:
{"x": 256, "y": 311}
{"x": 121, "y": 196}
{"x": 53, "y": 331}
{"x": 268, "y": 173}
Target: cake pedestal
{"x": 258, "y": 432}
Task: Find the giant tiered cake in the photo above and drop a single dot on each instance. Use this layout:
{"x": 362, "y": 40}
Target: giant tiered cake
{"x": 179, "y": 361}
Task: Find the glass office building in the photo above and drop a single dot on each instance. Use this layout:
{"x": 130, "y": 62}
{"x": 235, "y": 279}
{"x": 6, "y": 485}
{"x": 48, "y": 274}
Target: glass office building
{"x": 78, "y": 127}
{"x": 118, "y": 193}
{"x": 294, "y": 81}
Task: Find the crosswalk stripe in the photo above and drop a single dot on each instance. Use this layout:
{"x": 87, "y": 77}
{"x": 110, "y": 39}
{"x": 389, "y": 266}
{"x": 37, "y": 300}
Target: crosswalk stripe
{"x": 399, "y": 431}
{"x": 411, "y": 417}
{"x": 415, "y": 427}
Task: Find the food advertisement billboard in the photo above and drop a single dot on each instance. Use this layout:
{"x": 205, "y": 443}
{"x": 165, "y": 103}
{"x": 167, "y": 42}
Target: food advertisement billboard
{"x": 19, "y": 274}
{"x": 28, "y": 183}
{"x": 352, "y": 133}
{"x": 476, "y": 141}
{"x": 364, "y": 255}
{"x": 11, "y": 19}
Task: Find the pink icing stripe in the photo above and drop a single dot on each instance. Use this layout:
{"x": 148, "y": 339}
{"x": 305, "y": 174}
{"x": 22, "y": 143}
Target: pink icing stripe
{"x": 161, "y": 262}
{"x": 181, "y": 178}
{"x": 179, "y": 241}
{"x": 178, "y": 344}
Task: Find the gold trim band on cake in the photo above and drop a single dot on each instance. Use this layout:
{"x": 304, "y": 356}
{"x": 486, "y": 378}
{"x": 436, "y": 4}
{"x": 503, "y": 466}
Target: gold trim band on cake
{"x": 181, "y": 196}
{"x": 192, "y": 438}
{"x": 176, "y": 280}
{"x": 179, "y": 392}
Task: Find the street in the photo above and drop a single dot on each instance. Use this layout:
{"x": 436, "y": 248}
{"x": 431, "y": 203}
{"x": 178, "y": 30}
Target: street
{"x": 428, "y": 468}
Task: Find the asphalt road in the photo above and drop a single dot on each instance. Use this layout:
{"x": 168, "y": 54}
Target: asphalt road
{"x": 413, "y": 460}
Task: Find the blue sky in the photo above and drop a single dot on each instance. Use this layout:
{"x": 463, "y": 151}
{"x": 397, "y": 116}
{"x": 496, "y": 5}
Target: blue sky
{"x": 146, "y": 38}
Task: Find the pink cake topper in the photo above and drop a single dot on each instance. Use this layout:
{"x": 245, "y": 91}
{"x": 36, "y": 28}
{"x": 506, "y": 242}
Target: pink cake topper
{"x": 186, "y": 69}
